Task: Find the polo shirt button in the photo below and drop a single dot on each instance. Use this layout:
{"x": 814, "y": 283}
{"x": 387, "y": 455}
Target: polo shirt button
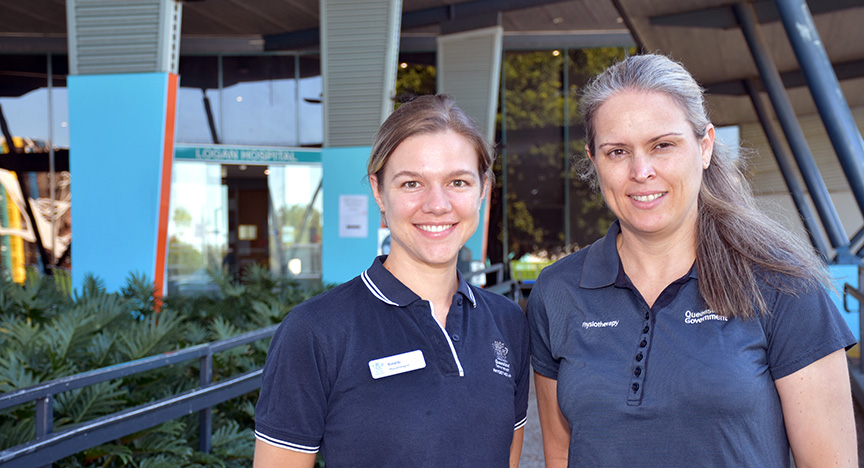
{"x": 647, "y": 315}
{"x": 455, "y": 337}
{"x": 637, "y": 371}
{"x": 639, "y": 357}
{"x": 643, "y": 343}
{"x": 635, "y": 387}
{"x": 645, "y": 330}
{"x": 459, "y": 301}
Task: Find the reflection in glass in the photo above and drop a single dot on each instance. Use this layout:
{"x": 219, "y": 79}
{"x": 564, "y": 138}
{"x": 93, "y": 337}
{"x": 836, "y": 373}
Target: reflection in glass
{"x": 198, "y": 226}
{"x": 34, "y": 105}
{"x": 232, "y": 216}
{"x": 296, "y": 221}
{"x": 259, "y": 100}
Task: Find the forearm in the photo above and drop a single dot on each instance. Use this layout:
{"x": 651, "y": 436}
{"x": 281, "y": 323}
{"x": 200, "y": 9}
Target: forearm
{"x": 556, "y": 430}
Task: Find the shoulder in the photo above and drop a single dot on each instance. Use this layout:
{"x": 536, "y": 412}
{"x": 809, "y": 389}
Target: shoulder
{"x": 566, "y": 270}
{"x": 332, "y": 304}
{"x": 500, "y": 310}
{"x": 497, "y": 303}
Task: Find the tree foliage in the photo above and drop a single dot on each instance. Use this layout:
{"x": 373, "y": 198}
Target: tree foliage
{"x": 46, "y": 334}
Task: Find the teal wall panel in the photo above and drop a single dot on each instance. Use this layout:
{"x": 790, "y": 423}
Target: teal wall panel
{"x": 117, "y": 138}
{"x": 344, "y": 173}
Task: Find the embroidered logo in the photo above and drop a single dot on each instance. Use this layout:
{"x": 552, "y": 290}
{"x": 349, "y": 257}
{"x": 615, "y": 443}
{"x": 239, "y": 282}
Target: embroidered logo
{"x": 502, "y": 365}
{"x": 587, "y": 325}
{"x": 693, "y": 318}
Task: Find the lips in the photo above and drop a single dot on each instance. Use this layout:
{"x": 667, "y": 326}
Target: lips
{"x": 434, "y": 228}
{"x": 647, "y": 198}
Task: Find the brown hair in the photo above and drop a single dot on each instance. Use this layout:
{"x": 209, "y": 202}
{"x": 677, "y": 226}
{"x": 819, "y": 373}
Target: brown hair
{"x": 428, "y": 114}
{"x": 737, "y": 245}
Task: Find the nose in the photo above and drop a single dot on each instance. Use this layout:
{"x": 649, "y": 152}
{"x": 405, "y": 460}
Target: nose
{"x": 641, "y": 168}
{"x": 437, "y": 200}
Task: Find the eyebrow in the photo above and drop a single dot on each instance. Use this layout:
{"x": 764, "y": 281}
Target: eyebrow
{"x": 417, "y": 175}
{"x": 658, "y": 137}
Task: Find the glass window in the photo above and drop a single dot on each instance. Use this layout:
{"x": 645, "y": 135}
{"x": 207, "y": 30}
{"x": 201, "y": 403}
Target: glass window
{"x": 198, "y": 104}
{"x": 310, "y": 110}
{"x": 36, "y": 116}
{"x": 259, "y": 100}
{"x": 198, "y": 226}
{"x": 550, "y": 210}
{"x": 231, "y": 216}
{"x": 296, "y": 221}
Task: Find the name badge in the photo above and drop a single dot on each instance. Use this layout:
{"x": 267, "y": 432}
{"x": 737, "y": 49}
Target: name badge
{"x": 397, "y": 364}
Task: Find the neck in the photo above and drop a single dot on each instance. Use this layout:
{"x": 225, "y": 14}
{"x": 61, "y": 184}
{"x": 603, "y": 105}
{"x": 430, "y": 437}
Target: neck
{"x": 434, "y": 283}
{"x": 653, "y": 262}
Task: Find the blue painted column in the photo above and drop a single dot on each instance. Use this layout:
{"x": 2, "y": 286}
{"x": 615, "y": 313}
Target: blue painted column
{"x": 121, "y": 147}
{"x": 122, "y": 103}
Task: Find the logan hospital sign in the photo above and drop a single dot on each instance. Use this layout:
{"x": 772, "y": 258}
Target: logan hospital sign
{"x": 246, "y": 154}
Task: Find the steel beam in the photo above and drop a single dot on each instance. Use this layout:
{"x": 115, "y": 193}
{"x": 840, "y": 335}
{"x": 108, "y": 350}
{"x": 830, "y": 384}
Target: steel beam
{"x": 794, "y": 135}
{"x": 723, "y": 17}
{"x": 787, "y": 171}
{"x": 309, "y": 38}
{"x": 826, "y": 91}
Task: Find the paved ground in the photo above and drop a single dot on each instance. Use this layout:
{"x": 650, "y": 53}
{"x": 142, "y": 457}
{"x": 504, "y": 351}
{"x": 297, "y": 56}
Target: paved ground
{"x": 532, "y": 447}
{"x": 859, "y": 422}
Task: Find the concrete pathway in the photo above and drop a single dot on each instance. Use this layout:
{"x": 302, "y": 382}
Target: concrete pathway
{"x": 532, "y": 447}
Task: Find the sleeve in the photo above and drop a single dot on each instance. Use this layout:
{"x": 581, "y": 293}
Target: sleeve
{"x": 542, "y": 359}
{"x": 523, "y": 382}
{"x": 802, "y": 329}
{"x": 293, "y": 401}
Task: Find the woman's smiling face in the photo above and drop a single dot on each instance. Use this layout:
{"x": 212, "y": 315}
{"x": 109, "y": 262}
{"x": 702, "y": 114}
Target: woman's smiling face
{"x": 431, "y": 192}
{"x": 649, "y": 163}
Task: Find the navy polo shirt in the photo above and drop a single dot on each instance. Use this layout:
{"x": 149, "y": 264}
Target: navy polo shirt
{"x": 366, "y": 374}
{"x": 673, "y": 385}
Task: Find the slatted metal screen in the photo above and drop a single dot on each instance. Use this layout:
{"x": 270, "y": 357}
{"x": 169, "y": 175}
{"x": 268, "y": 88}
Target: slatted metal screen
{"x": 359, "y": 48}
{"x": 469, "y": 64}
{"x": 123, "y": 36}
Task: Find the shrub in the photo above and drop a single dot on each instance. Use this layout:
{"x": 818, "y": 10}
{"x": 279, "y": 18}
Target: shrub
{"x": 47, "y": 332}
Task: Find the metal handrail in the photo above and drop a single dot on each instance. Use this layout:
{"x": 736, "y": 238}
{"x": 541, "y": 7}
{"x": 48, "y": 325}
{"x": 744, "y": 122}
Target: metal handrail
{"x": 43, "y": 395}
{"x": 83, "y": 379}
{"x": 58, "y": 445}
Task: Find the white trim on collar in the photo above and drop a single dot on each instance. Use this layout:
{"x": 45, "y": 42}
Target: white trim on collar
{"x": 374, "y": 289}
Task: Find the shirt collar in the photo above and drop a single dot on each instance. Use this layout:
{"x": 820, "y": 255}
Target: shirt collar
{"x": 389, "y": 290}
{"x": 603, "y": 264}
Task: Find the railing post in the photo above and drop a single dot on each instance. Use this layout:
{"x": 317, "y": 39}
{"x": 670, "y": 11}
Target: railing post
{"x": 205, "y": 416}
{"x": 44, "y": 417}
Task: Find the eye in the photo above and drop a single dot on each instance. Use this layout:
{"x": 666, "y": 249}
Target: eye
{"x": 664, "y": 145}
{"x": 617, "y": 153}
{"x": 460, "y": 183}
{"x": 411, "y": 184}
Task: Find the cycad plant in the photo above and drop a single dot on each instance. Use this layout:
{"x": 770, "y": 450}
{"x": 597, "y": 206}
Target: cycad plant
{"x": 47, "y": 332}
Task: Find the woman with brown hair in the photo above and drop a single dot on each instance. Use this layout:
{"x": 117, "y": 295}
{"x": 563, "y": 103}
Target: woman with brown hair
{"x": 406, "y": 365}
{"x": 698, "y": 332}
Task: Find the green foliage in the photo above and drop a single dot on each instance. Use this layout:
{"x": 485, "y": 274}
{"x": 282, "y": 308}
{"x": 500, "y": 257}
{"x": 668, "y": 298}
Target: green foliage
{"x": 415, "y": 80}
{"x": 306, "y": 226}
{"x": 48, "y": 331}
{"x": 540, "y": 169}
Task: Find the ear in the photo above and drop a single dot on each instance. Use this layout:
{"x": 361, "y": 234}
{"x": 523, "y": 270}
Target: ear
{"x": 590, "y": 156}
{"x": 485, "y": 189}
{"x": 373, "y": 181}
{"x": 707, "y": 145}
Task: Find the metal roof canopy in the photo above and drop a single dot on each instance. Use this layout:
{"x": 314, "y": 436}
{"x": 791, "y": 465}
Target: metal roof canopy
{"x": 704, "y": 35}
